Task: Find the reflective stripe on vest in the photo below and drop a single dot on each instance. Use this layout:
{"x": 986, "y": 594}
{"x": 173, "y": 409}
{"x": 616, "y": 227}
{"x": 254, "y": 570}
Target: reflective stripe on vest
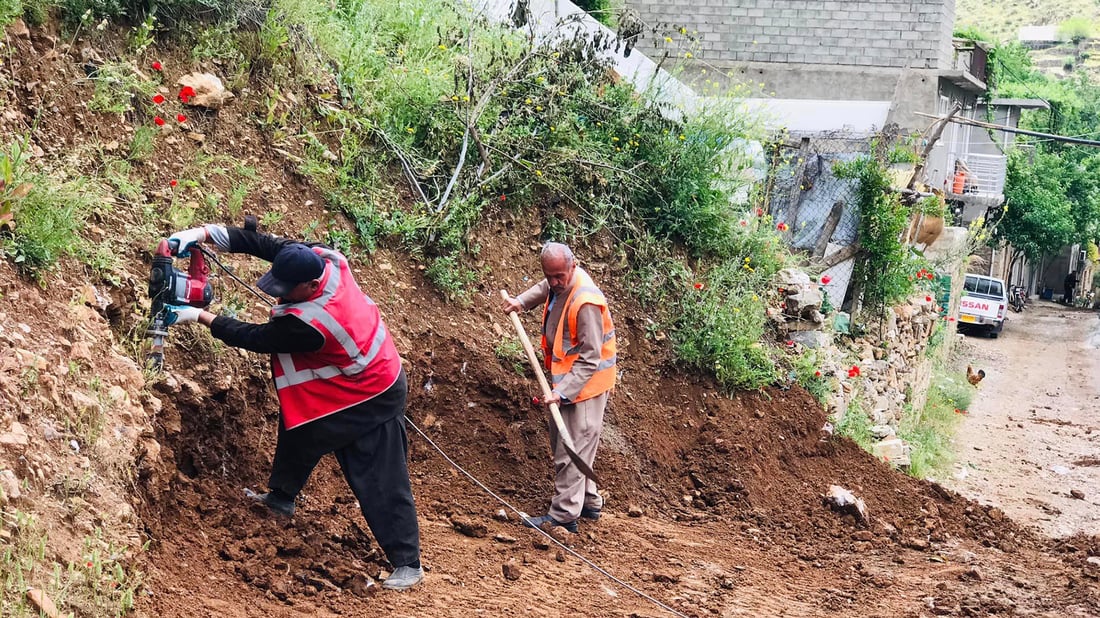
{"x": 565, "y": 351}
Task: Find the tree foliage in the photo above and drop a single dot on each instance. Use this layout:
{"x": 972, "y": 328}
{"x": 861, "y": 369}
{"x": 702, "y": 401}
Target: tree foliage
{"x": 1052, "y": 188}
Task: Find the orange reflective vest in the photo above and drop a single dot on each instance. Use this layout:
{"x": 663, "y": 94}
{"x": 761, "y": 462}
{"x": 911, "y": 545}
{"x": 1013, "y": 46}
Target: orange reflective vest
{"x": 566, "y": 349}
{"x": 358, "y": 360}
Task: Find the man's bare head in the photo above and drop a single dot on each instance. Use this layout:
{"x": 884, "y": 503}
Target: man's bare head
{"x": 558, "y": 265}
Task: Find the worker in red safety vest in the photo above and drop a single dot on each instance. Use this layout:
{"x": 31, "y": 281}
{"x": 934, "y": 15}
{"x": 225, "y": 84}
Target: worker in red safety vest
{"x": 578, "y": 345}
{"x": 339, "y": 379}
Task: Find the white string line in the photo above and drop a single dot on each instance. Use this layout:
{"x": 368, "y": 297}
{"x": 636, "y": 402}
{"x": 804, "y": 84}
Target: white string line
{"x": 518, "y": 513}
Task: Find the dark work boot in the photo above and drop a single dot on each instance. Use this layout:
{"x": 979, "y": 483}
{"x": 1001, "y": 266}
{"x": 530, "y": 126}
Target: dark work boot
{"x": 592, "y": 514}
{"x": 537, "y": 522}
{"x": 275, "y": 500}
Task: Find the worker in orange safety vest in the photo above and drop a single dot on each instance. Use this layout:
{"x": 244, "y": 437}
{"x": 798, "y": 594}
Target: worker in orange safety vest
{"x": 578, "y": 345}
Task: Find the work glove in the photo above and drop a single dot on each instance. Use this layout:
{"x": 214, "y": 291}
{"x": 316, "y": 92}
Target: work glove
{"x": 180, "y": 243}
{"x": 181, "y": 314}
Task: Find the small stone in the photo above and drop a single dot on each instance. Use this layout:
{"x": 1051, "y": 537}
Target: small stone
{"x": 560, "y": 556}
{"x": 666, "y": 577}
{"x": 469, "y": 527}
{"x": 500, "y": 515}
{"x": 9, "y": 487}
{"x": 863, "y": 535}
{"x": 504, "y": 538}
{"x": 42, "y": 603}
{"x": 511, "y": 570}
{"x": 195, "y": 136}
{"x": 634, "y": 511}
{"x": 1077, "y": 494}
{"x": 917, "y": 543}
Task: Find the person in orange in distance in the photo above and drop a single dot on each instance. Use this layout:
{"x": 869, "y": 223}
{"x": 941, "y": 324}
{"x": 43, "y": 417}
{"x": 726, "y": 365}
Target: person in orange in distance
{"x": 578, "y": 346}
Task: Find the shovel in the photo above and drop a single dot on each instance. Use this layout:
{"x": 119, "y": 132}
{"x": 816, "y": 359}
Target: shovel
{"x": 555, "y": 413}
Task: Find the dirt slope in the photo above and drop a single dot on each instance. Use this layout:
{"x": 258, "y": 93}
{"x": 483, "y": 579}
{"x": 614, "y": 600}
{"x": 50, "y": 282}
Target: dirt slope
{"x": 730, "y": 489}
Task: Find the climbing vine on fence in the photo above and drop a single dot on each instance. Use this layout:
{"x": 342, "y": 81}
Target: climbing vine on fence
{"x": 885, "y": 272}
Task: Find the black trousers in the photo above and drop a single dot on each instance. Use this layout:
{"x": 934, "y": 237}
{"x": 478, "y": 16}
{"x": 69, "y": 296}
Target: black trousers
{"x": 370, "y": 443}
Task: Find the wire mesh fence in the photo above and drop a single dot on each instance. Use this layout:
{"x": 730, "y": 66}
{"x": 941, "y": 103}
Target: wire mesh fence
{"x": 804, "y": 192}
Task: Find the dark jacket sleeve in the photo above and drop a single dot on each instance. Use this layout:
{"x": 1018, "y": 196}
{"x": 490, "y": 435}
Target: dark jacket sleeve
{"x": 282, "y": 335}
{"x": 259, "y": 244}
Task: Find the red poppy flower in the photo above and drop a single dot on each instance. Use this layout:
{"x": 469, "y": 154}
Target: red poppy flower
{"x": 825, "y": 279}
{"x": 158, "y": 99}
{"x": 782, "y": 227}
{"x": 950, "y": 319}
{"x": 173, "y": 182}
{"x": 817, "y": 374}
{"x": 157, "y": 66}
{"x": 186, "y": 93}
{"x": 744, "y": 223}
{"x": 698, "y": 286}
{"x": 854, "y": 370}
{"x": 927, "y": 299}
{"x": 89, "y": 564}
{"x": 782, "y": 305}
{"x": 759, "y": 212}
{"x": 930, "y": 276}
{"x": 181, "y": 118}
{"x": 158, "y": 121}
{"x": 789, "y": 343}
{"x": 502, "y": 197}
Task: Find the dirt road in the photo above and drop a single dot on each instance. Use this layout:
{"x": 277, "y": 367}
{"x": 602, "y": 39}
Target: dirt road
{"x": 1032, "y": 434}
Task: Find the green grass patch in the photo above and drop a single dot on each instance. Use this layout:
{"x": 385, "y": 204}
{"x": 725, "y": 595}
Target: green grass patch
{"x": 102, "y": 583}
{"x": 48, "y": 219}
{"x": 856, "y": 424}
{"x": 929, "y": 432}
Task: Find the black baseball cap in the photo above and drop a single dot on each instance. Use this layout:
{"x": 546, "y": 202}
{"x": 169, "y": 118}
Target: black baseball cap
{"x": 294, "y": 264}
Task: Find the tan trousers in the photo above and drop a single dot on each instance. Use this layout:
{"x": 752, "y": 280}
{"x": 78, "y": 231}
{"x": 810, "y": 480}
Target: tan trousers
{"x": 572, "y": 489}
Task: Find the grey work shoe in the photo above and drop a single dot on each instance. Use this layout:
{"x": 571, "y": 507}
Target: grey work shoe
{"x": 277, "y": 505}
{"x": 592, "y": 514}
{"x": 537, "y": 522}
{"x": 404, "y": 578}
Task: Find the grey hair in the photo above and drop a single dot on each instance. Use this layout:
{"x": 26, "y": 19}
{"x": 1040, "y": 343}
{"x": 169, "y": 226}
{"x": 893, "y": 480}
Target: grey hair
{"x": 556, "y": 250}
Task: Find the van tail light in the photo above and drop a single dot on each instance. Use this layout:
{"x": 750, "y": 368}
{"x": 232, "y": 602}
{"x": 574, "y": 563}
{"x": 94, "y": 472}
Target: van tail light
{"x": 1001, "y": 312}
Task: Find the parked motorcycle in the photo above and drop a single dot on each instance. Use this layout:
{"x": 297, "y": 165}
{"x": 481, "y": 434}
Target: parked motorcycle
{"x": 1018, "y": 299}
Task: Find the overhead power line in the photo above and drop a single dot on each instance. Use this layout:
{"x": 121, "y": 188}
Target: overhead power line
{"x": 988, "y": 125}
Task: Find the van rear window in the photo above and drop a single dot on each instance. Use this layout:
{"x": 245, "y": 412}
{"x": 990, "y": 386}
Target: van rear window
{"x": 981, "y": 285}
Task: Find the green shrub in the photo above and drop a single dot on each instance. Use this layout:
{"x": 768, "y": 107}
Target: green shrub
{"x": 929, "y": 432}
{"x": 856, "y": 424}
{"x": 806, "y": 368}
{"x": 48, "y": 220}
{"x": 9, "y": 10}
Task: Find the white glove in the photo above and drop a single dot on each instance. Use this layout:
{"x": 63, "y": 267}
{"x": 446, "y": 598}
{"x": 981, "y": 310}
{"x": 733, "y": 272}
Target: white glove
{"x": 180, "y": 243}
{"x": 181, "y": 314}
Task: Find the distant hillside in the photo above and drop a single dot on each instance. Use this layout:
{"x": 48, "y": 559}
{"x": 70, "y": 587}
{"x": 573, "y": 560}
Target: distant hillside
{"x": 1003, "y": 18}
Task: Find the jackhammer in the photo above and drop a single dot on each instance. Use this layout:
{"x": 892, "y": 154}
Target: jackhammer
{"x": 170, "y": 286}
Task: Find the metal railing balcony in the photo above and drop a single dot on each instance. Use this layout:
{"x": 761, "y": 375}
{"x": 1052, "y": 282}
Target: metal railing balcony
{"x": 986, "y": 177}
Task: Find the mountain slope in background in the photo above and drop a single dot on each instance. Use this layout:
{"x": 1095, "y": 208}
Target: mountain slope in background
{"x": 1003, "y": 19}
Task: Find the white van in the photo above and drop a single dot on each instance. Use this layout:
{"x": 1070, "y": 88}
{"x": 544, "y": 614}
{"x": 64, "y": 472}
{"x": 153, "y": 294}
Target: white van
{"x": 982, "y": 307}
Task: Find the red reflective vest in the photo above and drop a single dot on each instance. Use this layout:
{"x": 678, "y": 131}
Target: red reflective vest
{"x": 358, "y": 360}
{"x": 566, "y": 349}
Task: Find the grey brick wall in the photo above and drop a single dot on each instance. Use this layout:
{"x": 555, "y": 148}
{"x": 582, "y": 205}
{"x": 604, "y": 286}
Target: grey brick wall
{"x": 877, "y": 33}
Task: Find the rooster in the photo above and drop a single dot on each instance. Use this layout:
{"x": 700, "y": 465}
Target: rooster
{"x": 974, "y": 377}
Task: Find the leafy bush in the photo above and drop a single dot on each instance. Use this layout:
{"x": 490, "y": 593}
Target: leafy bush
{"x": 885, "y": 273}
{"x": 545, "y": 126}
{"x": 929, "y": 431}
